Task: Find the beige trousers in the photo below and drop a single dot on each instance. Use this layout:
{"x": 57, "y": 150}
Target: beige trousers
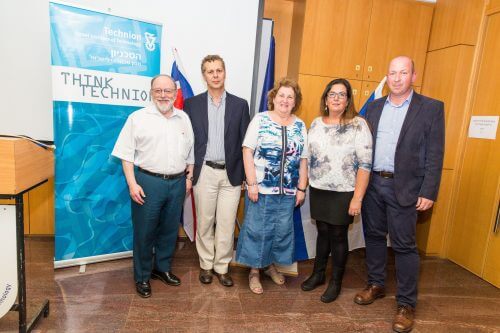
{"x": 216, "y": 203}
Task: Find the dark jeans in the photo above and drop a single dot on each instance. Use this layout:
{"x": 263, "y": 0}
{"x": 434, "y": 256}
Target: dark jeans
{"x": 156, "y": 223}
{"x": 382, "y": 214}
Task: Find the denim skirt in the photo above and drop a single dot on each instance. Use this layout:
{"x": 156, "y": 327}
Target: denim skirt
{"x": 267, "y": 235}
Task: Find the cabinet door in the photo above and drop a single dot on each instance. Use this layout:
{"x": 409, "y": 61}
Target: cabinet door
{"x": 472, "y": 242}
{"x": 312, "y": 87}
{"x": 397, "y": 27}
{"x": 334, "y": 38}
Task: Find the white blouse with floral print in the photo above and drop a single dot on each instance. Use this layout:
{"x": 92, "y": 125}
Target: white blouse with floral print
{"x": 336, "y": 152}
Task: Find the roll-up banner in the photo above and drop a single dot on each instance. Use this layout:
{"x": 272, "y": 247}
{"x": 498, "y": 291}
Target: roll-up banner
{"x": 101, "y": 70}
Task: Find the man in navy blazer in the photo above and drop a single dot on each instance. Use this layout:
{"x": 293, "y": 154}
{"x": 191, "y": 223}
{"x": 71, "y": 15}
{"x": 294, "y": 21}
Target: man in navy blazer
{"x": 219, "y": 121}
{"x": 408, "y": 142}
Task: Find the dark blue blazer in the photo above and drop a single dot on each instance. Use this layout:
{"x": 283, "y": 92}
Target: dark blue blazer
{"x": 419, "y": 152}
{"x": 236, "y": 120}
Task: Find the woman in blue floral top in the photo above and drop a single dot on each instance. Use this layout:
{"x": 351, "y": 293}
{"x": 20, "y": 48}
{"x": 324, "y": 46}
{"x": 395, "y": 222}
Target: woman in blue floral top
{"x": 275, "y": 160}
{"x": 340, "y": 160}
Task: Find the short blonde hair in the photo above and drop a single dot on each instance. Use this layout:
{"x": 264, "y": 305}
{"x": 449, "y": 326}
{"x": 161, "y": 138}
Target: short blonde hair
{"x": 212, "y": 58}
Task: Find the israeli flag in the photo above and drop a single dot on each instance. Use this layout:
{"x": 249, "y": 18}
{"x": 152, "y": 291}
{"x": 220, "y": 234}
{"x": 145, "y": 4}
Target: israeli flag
{"x": 377, "y": 93}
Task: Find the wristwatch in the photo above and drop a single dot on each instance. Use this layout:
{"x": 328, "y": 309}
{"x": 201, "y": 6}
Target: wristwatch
{"x": 301, "y": 189}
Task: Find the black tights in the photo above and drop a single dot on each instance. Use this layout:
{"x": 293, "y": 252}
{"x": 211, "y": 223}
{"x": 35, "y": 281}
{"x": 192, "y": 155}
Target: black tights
{"x": 331, "y": 238}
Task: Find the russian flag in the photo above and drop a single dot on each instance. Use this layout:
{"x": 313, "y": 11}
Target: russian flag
{"x": 184, "y": 91}
{"x": 377, "y": 93}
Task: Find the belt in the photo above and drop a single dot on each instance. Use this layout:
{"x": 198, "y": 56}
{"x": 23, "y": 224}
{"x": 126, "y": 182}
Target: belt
{"x": 215, "y": 165}
{"x": 161, "y": 175}
{"x": 384, "y": 174}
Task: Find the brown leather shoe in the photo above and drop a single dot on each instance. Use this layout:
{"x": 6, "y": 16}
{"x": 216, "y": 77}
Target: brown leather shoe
{"x": 403, "y": 322}
{"x": 369, "y": 294}
{"x": 225, "y": 279}
{"x": 205, "y": 276}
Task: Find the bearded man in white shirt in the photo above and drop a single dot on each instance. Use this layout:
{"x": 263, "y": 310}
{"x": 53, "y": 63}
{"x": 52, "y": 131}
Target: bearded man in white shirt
{"x": 155, "y": 146}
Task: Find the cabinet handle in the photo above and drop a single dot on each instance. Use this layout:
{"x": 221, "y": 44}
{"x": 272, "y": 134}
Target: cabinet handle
{"x": 370, "y": 68}
{"x": 497, "y": 222}
{"x": 355, "y": 92}
{"x": 367, "y": 92}
{"x": 358, "y": 67}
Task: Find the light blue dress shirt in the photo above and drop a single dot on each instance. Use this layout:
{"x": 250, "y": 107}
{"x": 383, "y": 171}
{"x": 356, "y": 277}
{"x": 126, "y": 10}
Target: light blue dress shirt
{"x": 389, "y": 128}
{"x": 215, "y": 143}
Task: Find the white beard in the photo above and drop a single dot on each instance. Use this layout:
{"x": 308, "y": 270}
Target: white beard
{"x": 164, "y": 107}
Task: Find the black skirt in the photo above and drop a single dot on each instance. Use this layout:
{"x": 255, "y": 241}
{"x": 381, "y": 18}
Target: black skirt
{"x": 330, "y": 207}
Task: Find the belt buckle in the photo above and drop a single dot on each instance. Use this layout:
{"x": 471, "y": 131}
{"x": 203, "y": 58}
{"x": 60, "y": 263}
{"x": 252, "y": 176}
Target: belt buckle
{"x": 386, "y": 174}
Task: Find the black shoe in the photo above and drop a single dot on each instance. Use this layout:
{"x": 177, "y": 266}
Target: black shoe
{"x": 332, "y": 291}
{"x": 316, "y": 279}
{"x": 206, "y": 276}
{"x": 166, "y": 277}
{"x": 225, "y": 279}
{"x": 143, "y": 289}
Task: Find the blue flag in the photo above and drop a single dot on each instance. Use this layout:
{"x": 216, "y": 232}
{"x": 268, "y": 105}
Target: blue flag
{"x": 269, "y": 78}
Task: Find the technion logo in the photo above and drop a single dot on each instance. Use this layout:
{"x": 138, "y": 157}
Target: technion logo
{"x": 150, "y": 40}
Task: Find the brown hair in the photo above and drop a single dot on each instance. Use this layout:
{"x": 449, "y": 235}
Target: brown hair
{"x": 211, "y": 58}
{"x": 289, "y": 83}
{"x": 350, "y": 110}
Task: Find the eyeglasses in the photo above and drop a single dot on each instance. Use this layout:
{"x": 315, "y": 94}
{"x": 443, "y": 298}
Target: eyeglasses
{"x": 158, "y": 91}
{"x": 340, "y": 95}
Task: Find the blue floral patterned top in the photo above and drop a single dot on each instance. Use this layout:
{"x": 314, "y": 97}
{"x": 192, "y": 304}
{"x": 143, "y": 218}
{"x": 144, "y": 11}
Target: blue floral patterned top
{"x": 277, "y": 153}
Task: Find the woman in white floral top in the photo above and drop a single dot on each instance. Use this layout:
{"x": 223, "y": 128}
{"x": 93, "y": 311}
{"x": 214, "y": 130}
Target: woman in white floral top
{"x": 340, "y": 161}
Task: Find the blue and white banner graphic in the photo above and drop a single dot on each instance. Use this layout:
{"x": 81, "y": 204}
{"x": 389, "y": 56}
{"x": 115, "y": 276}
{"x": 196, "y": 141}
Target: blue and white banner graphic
{"x": 101, "y": 71}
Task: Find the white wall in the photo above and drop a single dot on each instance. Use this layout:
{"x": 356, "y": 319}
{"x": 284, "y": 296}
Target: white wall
{"x": 195, "y": 27}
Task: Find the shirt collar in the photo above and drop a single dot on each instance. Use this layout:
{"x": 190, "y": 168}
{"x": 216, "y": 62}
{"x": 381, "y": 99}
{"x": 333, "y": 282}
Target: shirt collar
{"x": 153, "y": 110}
{"x": 407, "y": 101}
{"x": 222, "y": 99}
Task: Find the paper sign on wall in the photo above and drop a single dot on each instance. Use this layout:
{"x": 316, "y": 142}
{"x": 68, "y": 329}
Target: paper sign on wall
{"x": 483, "y": 127}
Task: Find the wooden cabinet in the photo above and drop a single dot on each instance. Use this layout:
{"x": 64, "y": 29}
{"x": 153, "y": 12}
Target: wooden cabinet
{"x": 446, "y": 77}
{"x": 455, "y": 22}
{"x": 356, "y": 39}
{"x": 281, "y": 12}
{"x": 397, "y": 27}
{"x": 473, "y": 242}
{"x": 334, "y": 38}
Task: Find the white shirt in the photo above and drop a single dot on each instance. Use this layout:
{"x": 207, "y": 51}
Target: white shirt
{"x": 156, "y": 143}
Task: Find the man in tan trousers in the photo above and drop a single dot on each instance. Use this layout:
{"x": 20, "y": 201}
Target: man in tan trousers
{"x": 219, "y": 121}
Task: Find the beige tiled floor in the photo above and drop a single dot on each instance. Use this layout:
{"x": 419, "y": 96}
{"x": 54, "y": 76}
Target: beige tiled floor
{"x": 103, "y": 299}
